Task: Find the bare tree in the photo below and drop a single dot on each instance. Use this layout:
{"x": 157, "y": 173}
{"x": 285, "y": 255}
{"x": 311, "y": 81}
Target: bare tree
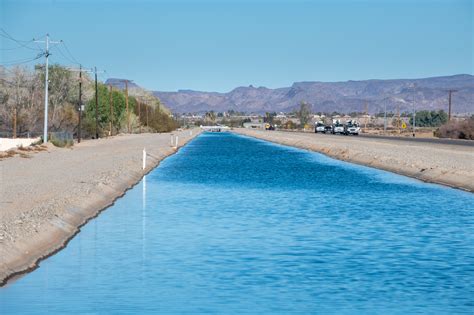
{"x": 304, "y": 113}
{"x": 15, "y": 96}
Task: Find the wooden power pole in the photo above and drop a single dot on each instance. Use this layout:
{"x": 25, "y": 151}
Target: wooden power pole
{"x": 79, "y": 131}
{"x": 111, "y": 120}
{"x": 146, "y": 103}
{"x": 126, "y": 104}
{"x": 450, "y": 92}
{"x": 366, "y": 114}
{"x": 96, "y": 106}
{"x": 139, "y": 116}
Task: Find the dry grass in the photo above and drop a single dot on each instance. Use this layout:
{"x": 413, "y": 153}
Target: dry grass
{"x": 7, "y": 154}
{"x": 23, "y": 151}
{"x": 24, "y": 155}
{"x": 457, "y": 130}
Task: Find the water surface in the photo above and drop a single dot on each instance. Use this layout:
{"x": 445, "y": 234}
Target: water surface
{"x": 236, "y": 225}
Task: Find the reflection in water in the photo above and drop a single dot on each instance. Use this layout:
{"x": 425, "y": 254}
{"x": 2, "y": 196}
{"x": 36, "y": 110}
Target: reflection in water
{"x": 143, "y": 224}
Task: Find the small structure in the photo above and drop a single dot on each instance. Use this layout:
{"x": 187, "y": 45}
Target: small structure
{"x": 214, "y": 128}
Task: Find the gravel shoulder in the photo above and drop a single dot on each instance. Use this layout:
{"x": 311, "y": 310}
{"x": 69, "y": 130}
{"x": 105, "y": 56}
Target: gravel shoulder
{"x": 45, "y": 197}
{"x": 446, "y": 164}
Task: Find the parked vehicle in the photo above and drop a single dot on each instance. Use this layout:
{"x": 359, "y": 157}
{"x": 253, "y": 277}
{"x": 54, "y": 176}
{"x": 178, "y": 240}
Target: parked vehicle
{"x": 319, "y": 127}
{"x": 352, "y": 128}
{"x": 337, "y": 127}
{"x": 269, "y": 127}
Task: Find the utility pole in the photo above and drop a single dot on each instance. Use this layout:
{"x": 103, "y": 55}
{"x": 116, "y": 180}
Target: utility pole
{"x": 146, "y": 103}
{"x": 111, "y": 109}
{"x": 46, "y": 54}
{"x": 96, "y": 104}
{"x": 80, "y": 105}
{"x": 366, "y": 114}
{"x": 139, "y": 116}
{"x": 414, "y": 109}
{"x": 398, "y": 120}
{"x": 126, "y": 104}
{"x": 450, "y": 91}
{"x": 385, "y": 118}
{"x": 14, "y": 122}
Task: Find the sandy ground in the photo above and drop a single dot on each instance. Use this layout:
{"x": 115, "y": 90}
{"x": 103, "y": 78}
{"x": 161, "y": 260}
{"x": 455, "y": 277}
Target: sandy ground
{"x": 46, "y": 196}
{"x": 450, "y": 165}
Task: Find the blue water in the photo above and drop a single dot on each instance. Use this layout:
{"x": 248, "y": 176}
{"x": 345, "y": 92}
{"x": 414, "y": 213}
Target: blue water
{"x": 236, "y": 225}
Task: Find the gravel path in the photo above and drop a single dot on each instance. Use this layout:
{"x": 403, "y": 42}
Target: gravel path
{"x": 451, "y": 165}
{"x": 46, "y": 196}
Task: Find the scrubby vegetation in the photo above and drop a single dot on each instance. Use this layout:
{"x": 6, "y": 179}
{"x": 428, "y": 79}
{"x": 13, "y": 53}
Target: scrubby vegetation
{"x": 457, "y": 129}
{"x": 426, "y": 118}
{"x": 22, "y": 105}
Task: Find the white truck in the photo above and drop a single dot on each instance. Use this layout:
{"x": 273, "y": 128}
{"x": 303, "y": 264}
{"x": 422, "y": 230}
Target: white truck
{"x": 337, "y": 127}
{"x": 319, "y": 127}
{"x": 352, "y": 128}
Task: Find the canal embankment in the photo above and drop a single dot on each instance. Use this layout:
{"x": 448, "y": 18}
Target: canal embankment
{"x": 447, "y": 164}
{"x": 45, "y": 197}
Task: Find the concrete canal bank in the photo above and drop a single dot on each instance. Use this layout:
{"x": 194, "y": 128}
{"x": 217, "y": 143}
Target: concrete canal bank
{"x": 46, "y": 197}
{"x": 446, "y": 164}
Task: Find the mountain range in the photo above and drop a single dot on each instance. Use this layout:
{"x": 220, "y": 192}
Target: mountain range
{"x": 345, "y": 97}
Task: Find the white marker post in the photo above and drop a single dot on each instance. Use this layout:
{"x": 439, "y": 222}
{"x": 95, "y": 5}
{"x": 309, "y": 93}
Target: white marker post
{"x": 176, "y": 142}
{"x": 144, "y": 159}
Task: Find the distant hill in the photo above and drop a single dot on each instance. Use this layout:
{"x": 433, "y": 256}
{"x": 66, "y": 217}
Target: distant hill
{"x": 350, "y": 96}
{"x": 120, "y": 83}
{"x": 137, "y": 91}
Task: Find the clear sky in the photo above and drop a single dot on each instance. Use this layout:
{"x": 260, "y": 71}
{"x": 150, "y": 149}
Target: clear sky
{"x": 219, "y": 45}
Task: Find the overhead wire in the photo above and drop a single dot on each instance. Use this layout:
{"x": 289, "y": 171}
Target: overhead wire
{"x": 21, "y": 43}
{"x": 69, "y": 52}
{"x": 64, "y": 55}
{"x": 21, "y": 61}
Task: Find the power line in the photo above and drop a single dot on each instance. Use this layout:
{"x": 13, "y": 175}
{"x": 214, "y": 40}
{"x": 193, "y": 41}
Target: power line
{"x": 69, "y": 52}
{"x": 22, "y": 61}
{"x": 21, "y": 43}
{"x": 65, "y": 57}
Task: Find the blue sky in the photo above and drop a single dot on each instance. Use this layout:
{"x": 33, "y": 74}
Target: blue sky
{"x": 219, "y": 45}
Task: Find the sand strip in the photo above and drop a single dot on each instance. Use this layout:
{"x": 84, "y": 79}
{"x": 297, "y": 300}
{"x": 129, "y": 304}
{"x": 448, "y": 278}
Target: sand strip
{"x": 446, "y": 164}
{"x": 46, "y": 197}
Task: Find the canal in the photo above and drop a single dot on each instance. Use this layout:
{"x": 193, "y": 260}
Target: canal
{"x": 232, "y": 224}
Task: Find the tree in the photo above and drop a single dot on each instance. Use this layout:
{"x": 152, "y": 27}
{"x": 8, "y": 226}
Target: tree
{"x": 20, "y": 101}
{"x": 425, "y": 118}
{"x": 304, "y": 113}
{"x": 210, "y": 116}
{"x": 63, "y": 95}
{"x": 269, "y": 117}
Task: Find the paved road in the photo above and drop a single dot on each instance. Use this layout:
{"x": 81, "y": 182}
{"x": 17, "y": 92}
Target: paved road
{"x": 468, "y": 143}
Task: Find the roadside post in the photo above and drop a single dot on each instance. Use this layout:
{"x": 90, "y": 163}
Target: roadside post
{"x": 144, "y": 159}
